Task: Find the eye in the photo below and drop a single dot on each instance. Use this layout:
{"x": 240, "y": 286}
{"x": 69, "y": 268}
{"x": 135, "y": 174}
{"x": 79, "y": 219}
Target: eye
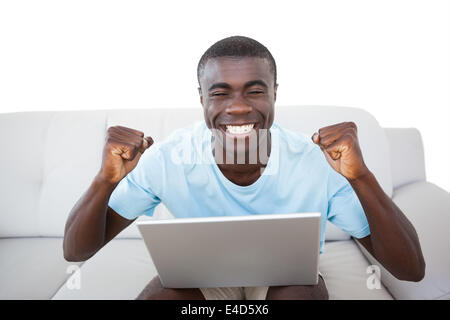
{"x": 218, "y": 94}
{"x": 256, "y": 92}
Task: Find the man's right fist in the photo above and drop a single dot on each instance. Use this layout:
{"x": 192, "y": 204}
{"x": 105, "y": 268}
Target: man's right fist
{"x": 123, "y": 148}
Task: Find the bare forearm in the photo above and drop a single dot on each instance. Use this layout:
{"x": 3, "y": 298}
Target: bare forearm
{"x": 86, "y": 226}
{"x": 394, "y": 240}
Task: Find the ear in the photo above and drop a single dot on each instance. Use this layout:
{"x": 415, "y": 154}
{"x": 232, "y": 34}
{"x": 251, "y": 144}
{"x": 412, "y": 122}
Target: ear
{"x": 275, "y": 92}
{"x": 201, "y": 96}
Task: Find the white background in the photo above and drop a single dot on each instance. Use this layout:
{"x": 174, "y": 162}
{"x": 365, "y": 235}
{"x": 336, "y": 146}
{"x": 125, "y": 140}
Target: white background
{"x": 391, "y": 58}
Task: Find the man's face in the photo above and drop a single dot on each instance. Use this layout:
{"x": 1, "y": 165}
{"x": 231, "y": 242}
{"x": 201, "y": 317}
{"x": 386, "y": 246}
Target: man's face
{"x": 238, "y": 97}
{"x": 237, "y": 91}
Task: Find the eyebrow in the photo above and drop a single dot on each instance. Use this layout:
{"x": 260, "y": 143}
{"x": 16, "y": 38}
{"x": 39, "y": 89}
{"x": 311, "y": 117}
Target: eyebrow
{"x": 225, "y": 85}
{"x": 254, "y": 83}
{"x": 222, "y": 85}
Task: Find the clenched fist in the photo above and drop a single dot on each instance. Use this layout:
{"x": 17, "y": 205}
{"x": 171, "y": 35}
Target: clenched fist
{"x": 123, "y": 148}
{"x": 340, "y": 145}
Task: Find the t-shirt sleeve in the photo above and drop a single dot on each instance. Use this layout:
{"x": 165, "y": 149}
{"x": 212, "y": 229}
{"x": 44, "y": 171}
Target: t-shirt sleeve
{"x": 344, "y": 208}
{"x": 138, "y": 193}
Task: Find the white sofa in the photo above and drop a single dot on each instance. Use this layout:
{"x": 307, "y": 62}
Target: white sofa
{"x": 50, "y": 158}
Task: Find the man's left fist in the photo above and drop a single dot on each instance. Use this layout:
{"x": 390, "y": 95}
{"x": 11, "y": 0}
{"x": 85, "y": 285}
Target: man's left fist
{"x": 340, "y": 145}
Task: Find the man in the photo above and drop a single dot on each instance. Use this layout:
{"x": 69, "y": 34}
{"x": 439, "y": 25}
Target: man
{"x": 327, "y": 173}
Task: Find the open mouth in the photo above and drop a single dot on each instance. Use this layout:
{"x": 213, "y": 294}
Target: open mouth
{"x": 238, "y": 130}
{"x": 235, "y": 130}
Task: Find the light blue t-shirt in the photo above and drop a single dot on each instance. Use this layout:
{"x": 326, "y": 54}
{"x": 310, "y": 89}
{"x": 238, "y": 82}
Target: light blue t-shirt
{"x": 181, "y": 172}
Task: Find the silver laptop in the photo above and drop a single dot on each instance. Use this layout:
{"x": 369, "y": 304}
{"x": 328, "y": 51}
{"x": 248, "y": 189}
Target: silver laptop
{"x": 235, "y": 251}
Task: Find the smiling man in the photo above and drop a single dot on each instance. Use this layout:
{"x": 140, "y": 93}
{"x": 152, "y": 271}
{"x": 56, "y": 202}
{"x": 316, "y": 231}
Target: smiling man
{"x": 251, "y": 166}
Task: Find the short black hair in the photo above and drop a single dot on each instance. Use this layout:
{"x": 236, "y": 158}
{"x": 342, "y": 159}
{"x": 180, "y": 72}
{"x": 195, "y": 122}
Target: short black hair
{"x": 237, "y": 46}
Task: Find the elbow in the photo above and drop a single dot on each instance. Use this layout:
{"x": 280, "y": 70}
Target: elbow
{"x": 67, "y": 253}
{"x": 71, "y": 256}
{"x": 416, "y": 275}
{"x": 420, "y": 273}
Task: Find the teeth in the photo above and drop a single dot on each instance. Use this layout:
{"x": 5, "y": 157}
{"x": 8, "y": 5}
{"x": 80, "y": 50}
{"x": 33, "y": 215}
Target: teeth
{"x": 240, "y": 129}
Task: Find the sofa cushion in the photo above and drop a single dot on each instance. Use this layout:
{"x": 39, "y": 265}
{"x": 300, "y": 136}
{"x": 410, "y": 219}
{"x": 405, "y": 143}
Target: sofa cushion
{"x": 427, "y": 207}
{"x": 123, "y": 268}
{"x": 407, "y": 156}
{"x": 120, "y": 270}
{"x": 345, "y": 271}
{"x": 73, "y": 151}
{"x": 32, "y": 268}
{"x": 22, "y": 136}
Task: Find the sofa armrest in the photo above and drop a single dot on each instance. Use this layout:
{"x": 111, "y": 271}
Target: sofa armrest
{"x": 428, "y": 208}
{"x": 407, "y": 156}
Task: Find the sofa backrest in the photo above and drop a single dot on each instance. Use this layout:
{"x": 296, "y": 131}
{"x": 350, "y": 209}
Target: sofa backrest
{"x": 50, "y": 158}
{"x": 407, "y": 156}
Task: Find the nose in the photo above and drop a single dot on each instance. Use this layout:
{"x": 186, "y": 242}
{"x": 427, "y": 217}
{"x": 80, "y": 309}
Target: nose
{"x": 238, "y": 107}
